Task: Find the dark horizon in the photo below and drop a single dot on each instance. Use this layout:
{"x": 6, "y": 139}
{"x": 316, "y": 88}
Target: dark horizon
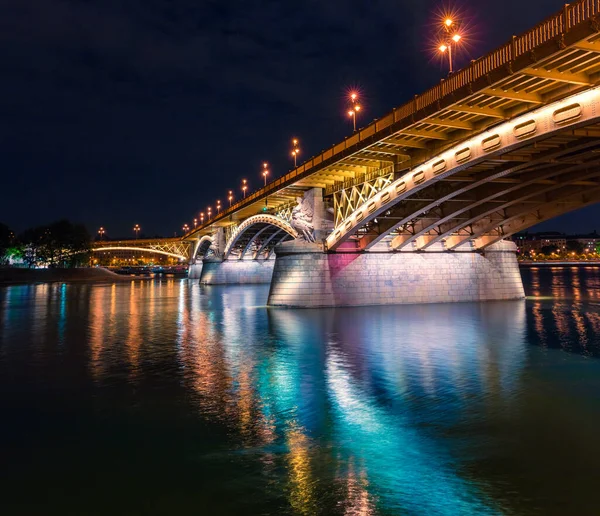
{"x": 121, "y": 115}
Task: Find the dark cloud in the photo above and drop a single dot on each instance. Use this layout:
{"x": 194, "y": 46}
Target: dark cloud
{"x": 144, "y": 111}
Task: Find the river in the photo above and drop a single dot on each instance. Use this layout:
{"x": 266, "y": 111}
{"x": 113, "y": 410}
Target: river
{"x": 167, "y": 397}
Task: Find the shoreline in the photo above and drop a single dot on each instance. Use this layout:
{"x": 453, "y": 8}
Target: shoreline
{"x": 559, "y": 264}
{"x": 18, "y": 276}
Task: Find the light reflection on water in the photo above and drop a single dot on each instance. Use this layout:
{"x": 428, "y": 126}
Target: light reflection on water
{"x": 167, "y": 397}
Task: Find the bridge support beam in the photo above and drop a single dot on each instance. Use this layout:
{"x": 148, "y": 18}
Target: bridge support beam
{"x": 304, "y": 276}
{"x": 236, "y": 272}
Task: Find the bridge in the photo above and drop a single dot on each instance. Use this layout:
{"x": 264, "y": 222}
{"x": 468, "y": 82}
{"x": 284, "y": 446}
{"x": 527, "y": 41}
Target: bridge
{"x": 172, "y": 247}
{"x": 418, "y": 205}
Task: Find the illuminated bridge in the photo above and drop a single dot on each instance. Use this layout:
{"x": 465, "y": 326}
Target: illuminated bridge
{"x": 176, "y": 248}
{"x": 417, "y": 206}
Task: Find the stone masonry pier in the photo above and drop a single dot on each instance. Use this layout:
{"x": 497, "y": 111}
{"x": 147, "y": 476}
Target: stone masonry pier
{"x": 305, "y": 276}
{"x": 236, "y": 272}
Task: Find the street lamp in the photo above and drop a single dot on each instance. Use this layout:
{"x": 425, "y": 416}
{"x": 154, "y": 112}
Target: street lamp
{"x": 244, "y": 187}
{"x": 218, "y": 206}
{"x": 185, "y": 228}
{"x": 101, "y": 233}
{"x": 354, "y": 108}
{"x": 195, "y": 223}
{"x": 209, "y": 209}
{"x": 450, "y": 38}
{"x": 202, "y": 218}
{"x": 295, "y": 150}
{"x": 230, "y": 197}
{"x": 265, "y": 172}
{"x": 137, "y": 229}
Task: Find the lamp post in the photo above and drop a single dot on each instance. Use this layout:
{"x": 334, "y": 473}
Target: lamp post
{"x": 195, "y": 223}
{"x": 244, "y": 187}
{"x": 209, "y": 210}
{"x": 202, "y": 218}
{"x": 218, "y": 207}
{"x": 185, "y": 228}
{"x": 137, "y": 229}
{"x": 265, "y": 172}
{"x": 354, "y": 108}
{"x": 295, "y": 151}
{"x": 450, "y": 38}
{"x": 101, "y": 233}
{"x": 230, "y": 197}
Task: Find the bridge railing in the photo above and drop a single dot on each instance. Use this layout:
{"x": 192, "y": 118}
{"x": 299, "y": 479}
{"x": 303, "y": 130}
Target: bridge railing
{"x": 572, "y": 15}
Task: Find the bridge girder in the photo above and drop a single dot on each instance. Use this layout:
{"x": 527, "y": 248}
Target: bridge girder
{"x": 543, "y": 137}
{"x": 554, "y": 59}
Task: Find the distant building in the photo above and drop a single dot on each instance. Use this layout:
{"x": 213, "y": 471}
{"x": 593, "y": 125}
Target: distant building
{"x": 527, "y": 242}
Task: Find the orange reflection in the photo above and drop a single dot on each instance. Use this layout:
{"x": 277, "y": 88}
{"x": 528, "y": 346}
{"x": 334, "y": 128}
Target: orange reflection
{"x": 133, "y": 342}
{"x": 302, "y": 493}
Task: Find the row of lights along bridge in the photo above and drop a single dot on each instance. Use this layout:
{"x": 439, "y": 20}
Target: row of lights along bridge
{"x": 352, "y": 112}
{"x": 450, "y": 37}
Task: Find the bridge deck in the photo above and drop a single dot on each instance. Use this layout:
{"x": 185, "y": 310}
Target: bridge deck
{"x": 558, "y": 57}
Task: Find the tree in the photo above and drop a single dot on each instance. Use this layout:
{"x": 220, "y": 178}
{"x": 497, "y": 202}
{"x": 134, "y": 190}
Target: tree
{"x": 60, "y": 244}
{"x": 574, "y": 246}
{"x": 6, "y": 240}
{"x": 548, "y": 250}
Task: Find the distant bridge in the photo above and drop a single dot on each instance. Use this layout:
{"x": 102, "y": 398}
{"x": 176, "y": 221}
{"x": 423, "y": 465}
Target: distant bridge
{"x": 506, "y": 143}
{"x": 173, "y": 247}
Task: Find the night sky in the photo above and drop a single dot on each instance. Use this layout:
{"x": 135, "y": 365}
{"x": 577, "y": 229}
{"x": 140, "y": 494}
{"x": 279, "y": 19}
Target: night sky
{"x": 117, "y": 112}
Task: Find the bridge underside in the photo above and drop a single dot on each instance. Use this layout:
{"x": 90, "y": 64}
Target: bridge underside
{"x": 258, "y": 242}
{"x": 495, "y": 198}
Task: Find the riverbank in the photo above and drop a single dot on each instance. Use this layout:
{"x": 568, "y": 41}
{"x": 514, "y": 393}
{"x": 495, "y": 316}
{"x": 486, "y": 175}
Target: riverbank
{"x": 11, "y": 276}
{"x": 556, "y": 263}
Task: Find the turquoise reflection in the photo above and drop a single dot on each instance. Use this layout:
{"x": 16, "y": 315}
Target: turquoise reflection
{"x": 375, "y": 372}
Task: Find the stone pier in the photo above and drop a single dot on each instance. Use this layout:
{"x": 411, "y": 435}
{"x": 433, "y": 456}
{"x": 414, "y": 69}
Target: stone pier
{"x": 195, "y": 270}
{"x": 236, "y": 272}
{"x": 305, "y": 276}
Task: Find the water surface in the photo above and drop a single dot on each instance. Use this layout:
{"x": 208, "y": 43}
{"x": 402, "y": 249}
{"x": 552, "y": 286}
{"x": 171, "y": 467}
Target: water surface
{"x": 166, "y": 397}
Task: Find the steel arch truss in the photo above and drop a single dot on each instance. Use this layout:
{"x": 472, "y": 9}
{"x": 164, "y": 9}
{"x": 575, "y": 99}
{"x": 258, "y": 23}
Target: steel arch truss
{"x": 175, "y": 251}
{"x": 486, "y": 188}
{"x": 258, "y": 235}
{"x": 202, "y": 246}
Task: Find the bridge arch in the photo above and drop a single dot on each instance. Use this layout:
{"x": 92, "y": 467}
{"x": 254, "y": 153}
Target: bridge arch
{"x": 202, "y": 246}
{"x": 141, "y": 249}
{"x": 259, "y": 234}
{"x": 476, "y": 191}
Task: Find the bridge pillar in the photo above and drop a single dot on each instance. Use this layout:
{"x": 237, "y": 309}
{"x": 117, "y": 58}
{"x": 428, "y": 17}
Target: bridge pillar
{"x": 305, "y": 276}
{"x": 236, "y": 272}
{"x": 195, "y": 270}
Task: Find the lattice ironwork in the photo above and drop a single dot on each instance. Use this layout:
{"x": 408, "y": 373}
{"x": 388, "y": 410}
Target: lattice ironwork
{"x": 358, "y": 191}
{"x": 284, "y": 211}
{"x": 166, "y": 246}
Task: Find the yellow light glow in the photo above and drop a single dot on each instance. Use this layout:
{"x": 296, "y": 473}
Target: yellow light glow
{"x": 448, "y": 22}
{"x": 353, "y": 96}
{"x": 357, "y": 108}
{"x": 456, "y": 38}
{"x": 350, "y": 113}
{"x": 443, "y": 48}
